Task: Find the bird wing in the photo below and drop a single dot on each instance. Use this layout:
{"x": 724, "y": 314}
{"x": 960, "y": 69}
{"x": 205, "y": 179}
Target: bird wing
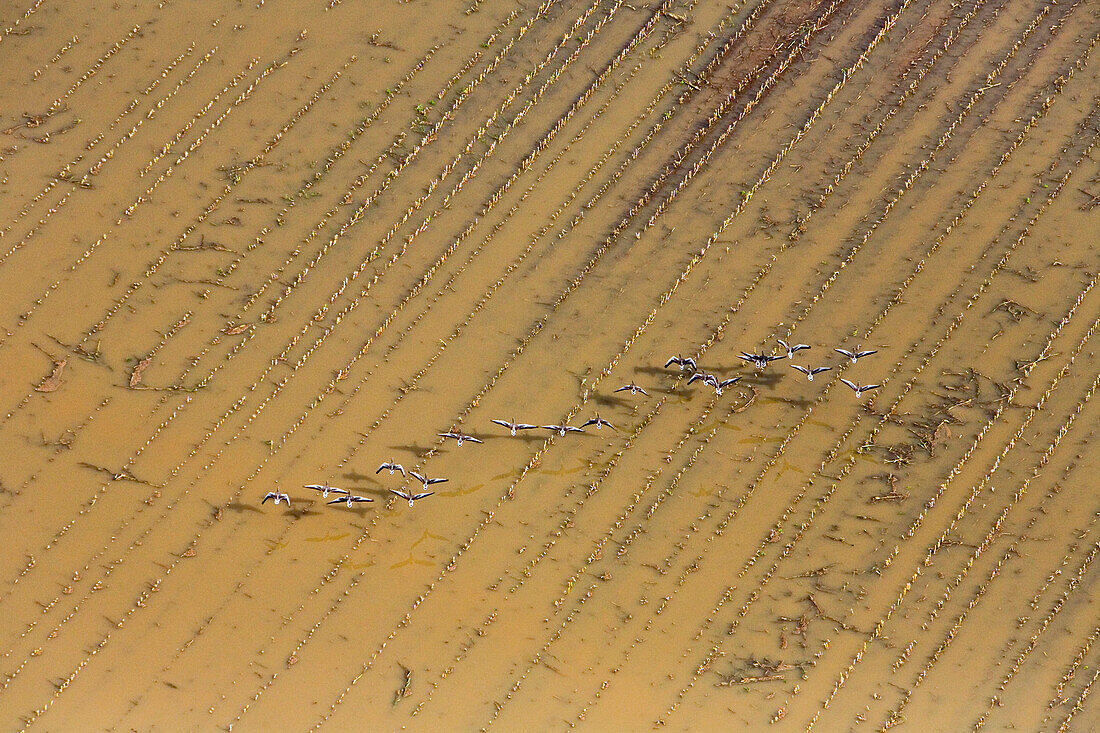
{"x": 695, "y": 376}
{"x": 689, "y": 362}
{"x": 422, "y": 494}
{"x": 502, "y": 423}
{"x": 269, "y": 496}
{"x": 846, "y": 353}
{"x": 728, "y": 382}
{"x": 436, "y": 481}
{"x": 802, "y": 369}
{"x": 417, "y": 476}
{"x": 642, "y": 391}
{"x": 625, "y": 386}
{"x": 850, "y": 384}
{"x": 337, "y": 501}
{"x": 361, "y": 498}
{"x": 400, "y": 493}
{"x": 871, "y": 386}
{"x": 866, "y": 353}
{"x": 818, "y": 370}
{"x": 524, "y": 426}
{"x": 673, "y": 360}
{"x": 472, "y": 439}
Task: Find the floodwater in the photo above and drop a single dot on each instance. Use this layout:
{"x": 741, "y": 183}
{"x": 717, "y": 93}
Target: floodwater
{"x": 245, "y": 248}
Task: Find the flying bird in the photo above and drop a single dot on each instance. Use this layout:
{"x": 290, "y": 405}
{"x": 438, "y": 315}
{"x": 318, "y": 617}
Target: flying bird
{"x": 562, "y": 429}
{"x": 858, "y": 389}
{"x": 513, "y": 426}
{"x": 460, "y": 438}
{"x": 759, "y": 360}
{"x": 791, "y": 349}
{"x": 683, "y": 362}
{"x": 351, "y": 500}
{"x": 598, "y": 421}
{"x": 707, "y": 378}
{"x": 634, "y": 389}
{"x": 411, "y": 497}
{"x": 278, "y": 497}
{"x": 810, "y": 372}
{"x": 719, "y": 386}
{"x": 392, "y": 466}
{"x": 854, "y": 355}
{"x": 425, "y": 480}
{"x": 325, "y": 489}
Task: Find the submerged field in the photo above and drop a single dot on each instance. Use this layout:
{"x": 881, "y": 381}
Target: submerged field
{"x": 244, "y": 249}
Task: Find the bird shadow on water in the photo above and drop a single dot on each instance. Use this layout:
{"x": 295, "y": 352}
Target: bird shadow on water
{"x": 801, "y": 403}
{"x": 356, "y": 476}
{"x": 651, "y": 371}
{"x": 765, "y": 379}
{"x": 417, "y": 450}
{"x": 240, "y": 506}
{"x": 606, "y": 400}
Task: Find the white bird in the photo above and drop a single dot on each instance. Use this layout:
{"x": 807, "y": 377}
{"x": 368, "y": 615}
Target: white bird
{"x": 278, "y": 497}
{"x": 707, "y": 378}
{"x": 460, "y": 438}
{"x": 325, "y": 489}
{"x": 758, "y": 360}
{"x": 682, "y": 362}
{"x": 719, "y": 386}
{"x": 562, "y": 429}
{"x": 425, "y": 480}
{"x": 410, "y": 497}
{"x": 854, "y": 355}
{"x": 351, "y": 500}
{"x": 392, "y": 466}
{"x": 791, "y": 349}
{"x": 858, "y": 389}
{"x": 598, "y": 422}
{"x": 810, "y": 372}
{"x": 513, "y": 426}
{"x": 634, "y": 389}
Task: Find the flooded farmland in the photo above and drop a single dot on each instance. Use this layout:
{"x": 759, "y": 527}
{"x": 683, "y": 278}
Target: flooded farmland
{"x": 250, "y": 253}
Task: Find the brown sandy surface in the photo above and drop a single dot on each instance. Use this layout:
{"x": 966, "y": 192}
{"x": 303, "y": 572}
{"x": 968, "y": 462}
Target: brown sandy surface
{"x": 248, "y": 246}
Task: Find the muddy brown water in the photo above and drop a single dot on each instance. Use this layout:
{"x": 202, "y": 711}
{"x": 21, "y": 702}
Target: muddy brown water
{"x": 244, "y": 249}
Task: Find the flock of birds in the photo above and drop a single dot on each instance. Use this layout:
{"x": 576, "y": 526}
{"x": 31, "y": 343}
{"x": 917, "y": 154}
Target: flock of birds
{"x": 760, "y": 361}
